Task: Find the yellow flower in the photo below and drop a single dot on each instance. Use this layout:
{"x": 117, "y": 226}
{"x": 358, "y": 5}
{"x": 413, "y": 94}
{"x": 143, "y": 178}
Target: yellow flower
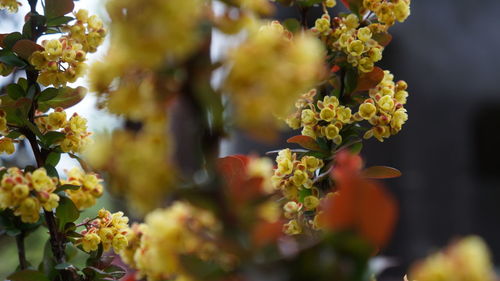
{"x": 312, "y": 163}
{"x": 52, "y": 202}
{"x": 311, "y": 202}
{"x": 299, "y": 178}
{"x": 331, "y": 131}
{"x": 386, "y": 103}
{"x": 327, "y": 114}
{"x": 90, "y": 242}
{"x": 7, "y": 146}
{"x": 344, "y": 114}
{"x": 364, "y": 34}
{"x": 365, "y": 65}
{"x": 119, "y": 242}
{"x": 308, "y": 117}
{"x": 367, "y": 110}
{"x": 292, "y": 228}
{"x": 330, "y": 3}
{"x": 356, "y": 48}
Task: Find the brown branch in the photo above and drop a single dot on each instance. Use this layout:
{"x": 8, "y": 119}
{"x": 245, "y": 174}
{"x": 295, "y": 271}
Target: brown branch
{"x": 21, "y": 251}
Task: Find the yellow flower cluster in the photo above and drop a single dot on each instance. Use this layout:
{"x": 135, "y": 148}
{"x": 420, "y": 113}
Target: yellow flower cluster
{"x": 150, "y": 34}
{"x": 357, "y": 43}
{"x": 287, "y": 66}
{"x": 11, "y": 6}
{"x": 138, "y": 163}
{"x": 171, "y": 233}
{"x": 88, "y": 31}
{"x": 62, "y": 60}
{"x": 75, "y": 129}
{"x": 389, "y": 11}
{"x": 107, "y": 229}
{"x": 133, "y": 236}
{"x": 326, "y": 119}
{"x": 465, "y": 260}
{"x": 26, "y": 193}
{"x": 384, "y": 109}
{"x": 292, "y": 176}
{"x": 136, "y": 95}
{"x": 90, "y": 188}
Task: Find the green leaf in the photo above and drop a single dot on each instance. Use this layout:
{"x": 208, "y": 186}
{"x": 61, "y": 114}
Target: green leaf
{"x": 292, "y": 25}
{"x": 356, "y": 147}
{"x": 115, "y": 271}
{"x": 58, "y": 8}
{"x": 48, "y": 262}
{"x": 15, "y": 91}
{"x": 52, "y": 137}
{"x": 53, "y": 158}
{"x": 59, "y": 21}
{"x": 33, "y": 128}
{"x": 303, "y": 193}
{"x": 66, "y": 212}
{"x": 28, "y": 275}
{"x": 67, "y": 186}
{"x": 380, "y": 172}
{"x": 11, "y": 39}
{"x": 51, "y": 171}
{"x": 14, "y": 134}
{"x": 48, "y": 94}
{"x": 23, "y": 83}
{"x": 62, "y": 266}
{"x": 66, "y": 97}
{"x": 10, "y": 58}
{"x": 350, "y": 80}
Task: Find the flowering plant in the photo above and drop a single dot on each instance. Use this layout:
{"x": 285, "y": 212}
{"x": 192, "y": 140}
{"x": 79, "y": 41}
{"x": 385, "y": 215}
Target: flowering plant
{"x": 316, "y": 214}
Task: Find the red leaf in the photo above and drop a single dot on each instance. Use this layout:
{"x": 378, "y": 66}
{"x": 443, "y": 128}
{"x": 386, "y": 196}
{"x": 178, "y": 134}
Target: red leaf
{"x": 380, "y": 172}
{"x": 362, "y": 206}
{"x": 24, "y": 48}
{"x": 366, "y": 81}
{"x": 232, "y": 169}
{"x": 306, "y": 142}
{"x": 353, "y": 5}
{"x": 2, "y": 36}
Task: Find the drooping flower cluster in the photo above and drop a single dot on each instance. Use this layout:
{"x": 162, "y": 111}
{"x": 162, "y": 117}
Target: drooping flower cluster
{"x": 63, "y": 60}
{"x": 76, "y": 136}
{"x": 11, "y": 6}
{"x": 324, "y": 119}
{"x": 295, "y": 178}
{"x": 384, "y": 110}
{"x": 167, "y": 235}
{"x": 154, "y": 32}
{"x": 146, "y": 152}
{"x": 287, "y": 65}
{"x": 107, "y": 229}
{"x": 90, "y": 188}
{"x": 467, "y": 259}
{"x": 26, "y": 193}
{"x": 389, "y": 11}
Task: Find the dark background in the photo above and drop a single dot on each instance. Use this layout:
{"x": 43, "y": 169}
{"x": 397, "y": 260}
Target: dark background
{"x": 448, "y": 52}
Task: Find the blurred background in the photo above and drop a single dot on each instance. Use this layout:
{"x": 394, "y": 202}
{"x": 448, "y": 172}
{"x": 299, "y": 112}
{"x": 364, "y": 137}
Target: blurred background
{"x": 447, "y": 151}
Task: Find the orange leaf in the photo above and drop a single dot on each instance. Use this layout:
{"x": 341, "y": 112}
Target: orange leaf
{"x": 362, "y": 206}
{"x": 306, "y": 142}
{"x": 241, "y": 189}
{"x": 366, "y": 81}
{"x": 380, "y": 172}
{"x": 265, "y": 233}
{"x": 24, "y": 48}
{"x": 382, "y": 38}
